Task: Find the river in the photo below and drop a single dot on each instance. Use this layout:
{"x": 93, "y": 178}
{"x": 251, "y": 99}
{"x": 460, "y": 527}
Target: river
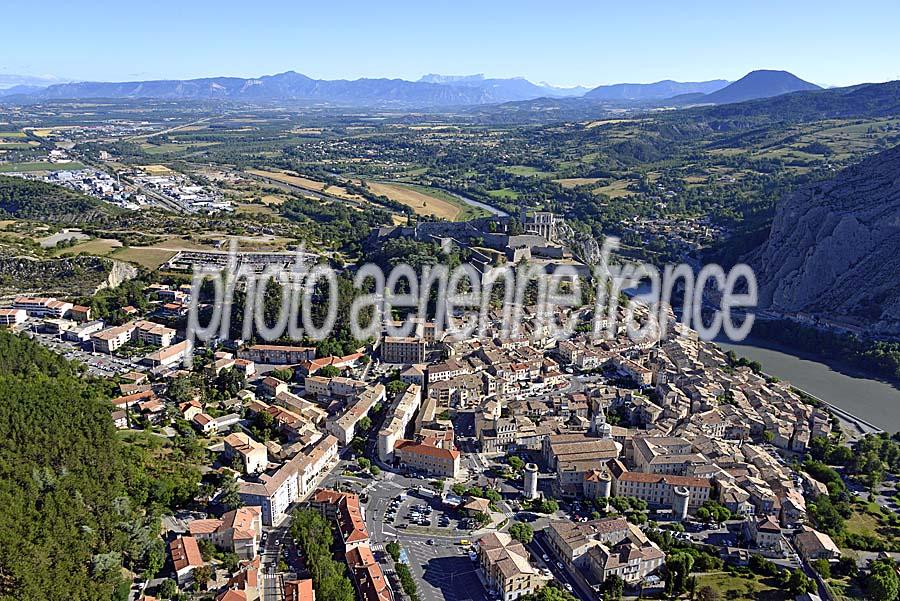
{"x": 477, "y": 204}
{"x": 872, "y": 400}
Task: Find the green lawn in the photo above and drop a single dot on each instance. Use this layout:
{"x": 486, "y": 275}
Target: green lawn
{"x": 847, "y": 589}
{"x": 151, "y": 258}
{"x": 866, "y": 522}
{"x": 413, "y": 172}
{"x": 22, "y": 167}
{"x": 739, "y": 588}
{"x": 12, "y": 134}
{"x": 15, "y": 145}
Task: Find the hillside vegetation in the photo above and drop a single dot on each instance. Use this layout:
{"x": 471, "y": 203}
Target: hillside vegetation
{"x": 26, "y": 199}
{"x": 68, "y": 525}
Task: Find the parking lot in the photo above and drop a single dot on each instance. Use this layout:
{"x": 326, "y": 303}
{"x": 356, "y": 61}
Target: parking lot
{"x": 417, "y": 514}
{"x": 98, "y": 364}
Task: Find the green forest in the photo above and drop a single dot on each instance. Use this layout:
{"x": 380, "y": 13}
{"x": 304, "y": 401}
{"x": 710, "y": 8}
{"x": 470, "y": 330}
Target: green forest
{"x": 68, "y": 524}
{"x": 27, "y": 199}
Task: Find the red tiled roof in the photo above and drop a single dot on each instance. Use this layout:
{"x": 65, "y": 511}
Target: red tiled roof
{"x": 280, "y": 347}
{"x": 350, "y": 522}
{"x": 185, "y": 553}
{"x": 204, "y": 526}
{"x": 131, "y": 399}
{"x": 370, "y": 580}
{"x": 299, "y": 590}
{"x": 411, "y": 446}
{"x": 201, "y": 419}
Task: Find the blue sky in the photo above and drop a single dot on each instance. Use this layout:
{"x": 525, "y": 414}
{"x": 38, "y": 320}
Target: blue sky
{"x": 566, "y": 43}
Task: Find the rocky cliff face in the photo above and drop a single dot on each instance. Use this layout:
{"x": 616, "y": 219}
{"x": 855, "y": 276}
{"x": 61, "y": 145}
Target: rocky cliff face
{"x": 67, "y": 277}
{"x": 119, "y": 272}
{"x": 834, "y": 248}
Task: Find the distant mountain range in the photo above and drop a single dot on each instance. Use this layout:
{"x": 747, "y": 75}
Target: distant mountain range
{"x": 759, "y": 84}
{"x": 8, "y": 81}
{"x": 516, "y": 88}
{"x": 859, "y": 101}
{"x": 654, "y": 91}
{"x": 430, "y": 91}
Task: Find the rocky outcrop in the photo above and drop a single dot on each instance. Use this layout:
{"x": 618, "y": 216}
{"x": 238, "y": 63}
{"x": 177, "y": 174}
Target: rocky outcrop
{"x": 834, "y": 249}
{"x": 119, "y": 272}
{"x": 67, "y": 277}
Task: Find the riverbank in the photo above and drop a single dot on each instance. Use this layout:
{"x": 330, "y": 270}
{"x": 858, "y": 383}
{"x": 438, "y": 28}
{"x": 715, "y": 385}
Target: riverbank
{"x": 477, "y": 204}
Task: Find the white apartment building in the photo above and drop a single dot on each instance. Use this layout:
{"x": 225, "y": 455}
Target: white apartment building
{"x": 275, "y": 492}
{"x": 11, "y": 317}
{"x": 42, "y": 306}
{"x": 397, "y": 421}
{"x": 154, "y": 334}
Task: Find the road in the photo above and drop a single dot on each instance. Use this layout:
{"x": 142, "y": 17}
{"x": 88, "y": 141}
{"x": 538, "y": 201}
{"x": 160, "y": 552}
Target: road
{"x": 272, "y": 587}
{"x": 278, "y": 547}
{"x": 540, "y": 548}
{"x": 442, "y": 567}
{"x": 167, "y": 131}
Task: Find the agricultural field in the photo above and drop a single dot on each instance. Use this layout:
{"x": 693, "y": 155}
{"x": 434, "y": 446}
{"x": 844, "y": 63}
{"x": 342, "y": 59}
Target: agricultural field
{"x": 584, "y": 171}
{"x": 15, "y": 140}
{"x": 308, "y": 184}
{"x": 99, "y": 247}
{"x": 254, "y": 209}
{"x": 17, "y": 145}
{"x": 156, "y": 169}
{"x": 527, "y": 171}
{"x": 572, "y": 182}
{"x": 172, "y": 148}
{"x": 617, "y": 189}
{"x": 39, "y": 166}
{"x": 271, "y": 199}
{"x": 504, "y": 194}
{"x": 425, "y": 201}
{"x": 151, "y": 258}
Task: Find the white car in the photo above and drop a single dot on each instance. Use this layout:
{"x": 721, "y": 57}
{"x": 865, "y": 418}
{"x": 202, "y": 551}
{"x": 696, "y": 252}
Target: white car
{"x": 568, "y": 587}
